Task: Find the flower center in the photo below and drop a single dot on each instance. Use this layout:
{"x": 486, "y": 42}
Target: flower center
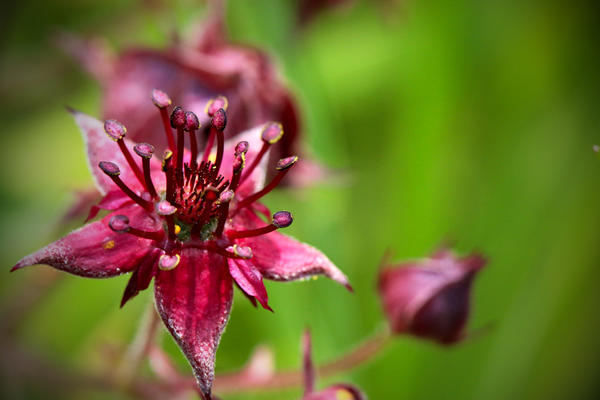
{"x": 197, "y": 201}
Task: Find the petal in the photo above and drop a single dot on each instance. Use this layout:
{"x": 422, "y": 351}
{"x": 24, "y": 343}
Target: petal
{"x": 249, "y": 280}
{"x": 194, "y": 301}
{"x": 256, "y": 180}
{"x": 112, "y": 201}
{"x": 142, "y": 276}
{"x": 100, "y": 147}
{"x": 95, "y": 251}
{"x": 282, "y": 258}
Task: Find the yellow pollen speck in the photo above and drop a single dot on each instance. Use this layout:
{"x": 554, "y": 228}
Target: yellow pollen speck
{"x": 109, "y": 245}
{"x": 212, "y": 157}
{"x": 343, "y": 394}
{"x": 315, "y": 277}
{"x": 177, "y": 229}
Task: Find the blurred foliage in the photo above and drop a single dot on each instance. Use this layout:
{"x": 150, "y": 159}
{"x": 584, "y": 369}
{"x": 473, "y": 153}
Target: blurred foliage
{"x": 463, "y": 121}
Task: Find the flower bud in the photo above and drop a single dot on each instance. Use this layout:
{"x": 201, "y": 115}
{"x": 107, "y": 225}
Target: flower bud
{"x": 429, "y": 298}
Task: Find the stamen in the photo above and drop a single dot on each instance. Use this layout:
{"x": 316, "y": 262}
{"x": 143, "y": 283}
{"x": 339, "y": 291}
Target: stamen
{"x": 281, "y": 219}
{"x": 178, "y": 121}
{"x": 146, "y": 151}
{"x": 167, "y": 262}
{"x": 211, "y": 108}
{"x": 271, "y": 133}
{"x": 113, "y": 172}
{"x": 191, "y": 125}
{"x": 166, "y": 167}
{"x": 214, "y": 104}
{"x": 238, "y": 165}
{"x": 162, "y": 101}
{"x": 166, "y": 210}
{"x": 224, "y": 200}
{"x": 219, "y": 122}
{"x": 238, "y": 251}
{"x": 120, "y": 224}
{"x": 117, "y": 131}
{"x": 283, "y": 166}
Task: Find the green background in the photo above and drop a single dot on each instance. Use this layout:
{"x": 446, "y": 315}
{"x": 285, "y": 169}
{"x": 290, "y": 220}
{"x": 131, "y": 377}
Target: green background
{"x": 463, "y": 121}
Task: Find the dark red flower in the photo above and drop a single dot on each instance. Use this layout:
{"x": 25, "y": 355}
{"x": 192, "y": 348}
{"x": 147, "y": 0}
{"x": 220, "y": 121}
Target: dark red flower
{"x": 193, "y": 71}
{"x": 430, "y": 298}
{"x": 339, "y": 391}
{"x": 192, "y": 222}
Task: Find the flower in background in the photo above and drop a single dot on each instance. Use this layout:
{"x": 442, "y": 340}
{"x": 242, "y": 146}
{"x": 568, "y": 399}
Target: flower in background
{"x": 430, "y": 298}
{"x": 339, "y": 391}
{"x": 191, "y": 222}
{"x": 309, "y": 9}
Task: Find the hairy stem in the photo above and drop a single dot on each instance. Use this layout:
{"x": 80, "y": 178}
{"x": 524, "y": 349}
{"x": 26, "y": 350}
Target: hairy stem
{"x": 242, "y": 382}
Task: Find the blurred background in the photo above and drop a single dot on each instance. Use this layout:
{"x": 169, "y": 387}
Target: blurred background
{"x": 464, "y": 121}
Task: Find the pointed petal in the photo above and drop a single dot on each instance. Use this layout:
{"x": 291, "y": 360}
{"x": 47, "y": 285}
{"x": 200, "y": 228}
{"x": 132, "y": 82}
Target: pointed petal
{"x": 256, "y": 180}
{"x": 249, "y": 280}
{"x": 194, "y": 301}
{"x": 142, "y": 276}
{"x": 282, "y": 258}
{"x": 100, "y": 147}
{"x": 95, "y": 251}
{"x": 112, "y": 201}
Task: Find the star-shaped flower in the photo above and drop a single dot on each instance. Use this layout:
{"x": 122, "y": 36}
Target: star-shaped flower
{"x": 192, "y": 222}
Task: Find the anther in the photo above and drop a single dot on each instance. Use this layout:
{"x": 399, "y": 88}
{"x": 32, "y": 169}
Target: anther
{"x": 120, "y": 224}
{"x": 161, "y": 100}
{"x": 146, "y": 151}
{"x": 117, "y": 131}
{"x": 213, "y": 105}
{"x": 271, "y": 133}
{"x": 165, "y": 208}
{"x": 168, "y": 170}
{"x": 283, "y": 166}
{"x": 226, "y": 196}
{"x": 219, "y": 122}
{"x": 109, "y": 168}
{"x": 191, "y": 125}
{"x": 286, "y": 163}
{"x": 281, "y": 219}
{"x": 238, "y": 251}
{"x": 242, "y": 147}
{"x": 238, "y": 165}
{"x": 178, "y": 121}
{"x": 223, "y": 212}
{"x": 167, "y": 262}
{"x": 113, "y": 172}
{"x": 114, "y": 129}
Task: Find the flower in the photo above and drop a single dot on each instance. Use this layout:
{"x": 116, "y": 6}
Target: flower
{"x": 339, "y": 391}
{"x": 430, "y": 298}
{"x": 191, "y": 222}
{"x": 203, "y": 67}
